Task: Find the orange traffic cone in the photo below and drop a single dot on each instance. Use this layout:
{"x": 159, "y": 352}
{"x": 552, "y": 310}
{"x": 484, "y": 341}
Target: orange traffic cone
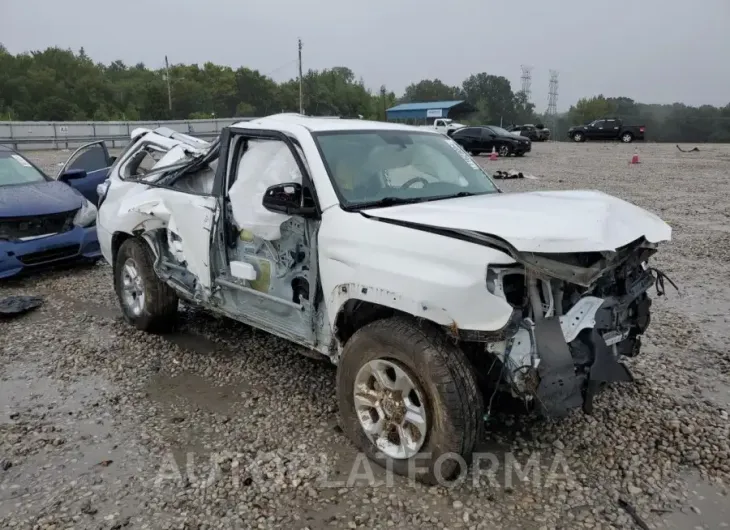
{"x": 493, "y": 154}
{"x": 635, "y": 158}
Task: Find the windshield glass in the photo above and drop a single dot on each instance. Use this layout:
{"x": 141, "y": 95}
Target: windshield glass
{"x": 14, "y": 169}
{"x": 368, "y": 166}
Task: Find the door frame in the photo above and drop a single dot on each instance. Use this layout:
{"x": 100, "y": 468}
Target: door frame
{"x": 250, "y": 312}
{"x": 102, "y": 143}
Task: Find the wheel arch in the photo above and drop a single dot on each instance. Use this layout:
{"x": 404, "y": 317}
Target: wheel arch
{"x": 359, "y": 305}
{"x": 118, "y": 238}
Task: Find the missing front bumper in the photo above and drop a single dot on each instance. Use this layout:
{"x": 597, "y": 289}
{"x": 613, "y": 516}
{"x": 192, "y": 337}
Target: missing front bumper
{"x": 562, "y": 387}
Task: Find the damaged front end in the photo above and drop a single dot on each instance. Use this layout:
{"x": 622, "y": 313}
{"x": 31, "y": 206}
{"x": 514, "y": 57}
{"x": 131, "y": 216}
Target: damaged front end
{"x": 579, "y": 314}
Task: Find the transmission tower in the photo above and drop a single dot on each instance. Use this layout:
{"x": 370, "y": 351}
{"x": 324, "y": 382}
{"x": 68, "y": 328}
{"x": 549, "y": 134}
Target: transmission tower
{"x": 552, "y": 110}
{"x": 526, "y": 80}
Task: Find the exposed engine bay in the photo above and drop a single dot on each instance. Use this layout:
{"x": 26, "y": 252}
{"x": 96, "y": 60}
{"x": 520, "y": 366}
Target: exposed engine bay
{"x": 568, "y": 337}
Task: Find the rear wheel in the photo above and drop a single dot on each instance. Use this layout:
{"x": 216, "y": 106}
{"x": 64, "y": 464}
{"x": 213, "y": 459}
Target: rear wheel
{"x": 627, "y": 138}
{"x": 505, "y": 150}
{"x": 408, "y": 398}
{"x": 147, "y": 303}
{"x": 474, "y": 153}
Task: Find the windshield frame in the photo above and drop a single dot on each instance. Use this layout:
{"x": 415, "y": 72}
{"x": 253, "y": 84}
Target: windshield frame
{"x": 349, "y": 206}
{"x": 12, "y": 152}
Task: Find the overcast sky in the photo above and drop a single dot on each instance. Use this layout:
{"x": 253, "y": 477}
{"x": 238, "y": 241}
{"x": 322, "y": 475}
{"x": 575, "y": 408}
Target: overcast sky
{"x": 658, "y": 51}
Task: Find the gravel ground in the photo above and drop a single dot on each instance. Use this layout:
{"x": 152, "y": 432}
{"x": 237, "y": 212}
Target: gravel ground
{"x": 105, "y": 427}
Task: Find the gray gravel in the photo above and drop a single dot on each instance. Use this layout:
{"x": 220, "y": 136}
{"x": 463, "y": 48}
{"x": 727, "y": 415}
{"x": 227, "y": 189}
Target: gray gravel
{"x": 97, "y": 419}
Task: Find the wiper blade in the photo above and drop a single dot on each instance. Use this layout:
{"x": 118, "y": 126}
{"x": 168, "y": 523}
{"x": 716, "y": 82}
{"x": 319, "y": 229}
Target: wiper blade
{"x": 460, "y": 194}
{"x": 453, "y": 196}
{"x": 390, "y": 201}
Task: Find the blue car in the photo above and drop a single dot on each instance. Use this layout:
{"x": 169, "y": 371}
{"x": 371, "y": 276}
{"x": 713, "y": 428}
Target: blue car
{"x": 46, "y": 221}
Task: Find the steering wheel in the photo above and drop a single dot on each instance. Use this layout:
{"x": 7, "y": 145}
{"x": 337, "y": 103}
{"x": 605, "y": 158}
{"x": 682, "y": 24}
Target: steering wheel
{"x": 412, "y": 181}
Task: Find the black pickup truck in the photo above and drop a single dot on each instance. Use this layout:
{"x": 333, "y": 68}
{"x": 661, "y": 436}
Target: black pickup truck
{"x": 607, "y": 129}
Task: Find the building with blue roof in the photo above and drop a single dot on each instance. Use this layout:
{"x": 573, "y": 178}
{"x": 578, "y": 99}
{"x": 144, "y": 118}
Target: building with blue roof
{"x": 428, "y": 111}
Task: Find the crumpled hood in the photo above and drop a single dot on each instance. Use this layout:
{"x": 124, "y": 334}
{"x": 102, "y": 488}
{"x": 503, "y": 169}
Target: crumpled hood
{"x": 540, "y": 221}
{"x": 40, "y": 198}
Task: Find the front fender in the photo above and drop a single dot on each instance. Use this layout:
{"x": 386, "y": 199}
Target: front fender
{"x": 426, "y": 275}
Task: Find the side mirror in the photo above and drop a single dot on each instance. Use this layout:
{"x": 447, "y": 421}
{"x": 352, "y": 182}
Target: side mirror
{"x": 284, "y": 198}
{"x": 72, "y": 174}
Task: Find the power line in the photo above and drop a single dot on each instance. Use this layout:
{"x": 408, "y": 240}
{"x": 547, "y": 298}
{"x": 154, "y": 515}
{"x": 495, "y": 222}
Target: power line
{"x": 526, "y": 80}
{"x": 288, "y": 63}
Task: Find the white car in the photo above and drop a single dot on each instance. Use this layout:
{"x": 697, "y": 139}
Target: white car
{"x": 444, "y": 126}
{"x": 386, "y": 249}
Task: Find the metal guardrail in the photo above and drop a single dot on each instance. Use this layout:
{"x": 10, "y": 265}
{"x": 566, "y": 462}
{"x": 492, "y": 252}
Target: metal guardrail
{"x": 32, "y": 135}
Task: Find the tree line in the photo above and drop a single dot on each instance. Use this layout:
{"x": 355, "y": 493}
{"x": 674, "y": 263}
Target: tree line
{"x": 60, "y": 85}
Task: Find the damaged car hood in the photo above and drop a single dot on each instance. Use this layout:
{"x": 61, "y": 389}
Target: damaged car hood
{"x": 540, "y": 221}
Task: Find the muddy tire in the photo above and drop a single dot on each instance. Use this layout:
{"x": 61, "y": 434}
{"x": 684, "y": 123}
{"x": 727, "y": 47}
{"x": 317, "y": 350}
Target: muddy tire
{"x": 146, "y": 302}
{"x": 444, "y": 394}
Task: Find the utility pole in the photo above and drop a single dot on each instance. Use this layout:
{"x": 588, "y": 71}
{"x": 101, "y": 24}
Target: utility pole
{"x": 382, "y": 99}
{"x": 301, "y": 101}
{"x": 169, "y": 91}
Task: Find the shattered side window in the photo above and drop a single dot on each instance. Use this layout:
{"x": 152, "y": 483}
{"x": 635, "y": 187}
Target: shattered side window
{"x": 142, "y": 162}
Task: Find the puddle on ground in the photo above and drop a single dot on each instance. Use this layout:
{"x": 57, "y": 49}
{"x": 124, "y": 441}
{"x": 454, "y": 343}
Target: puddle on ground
{"x": 707, "y": 507}
{"x": 191, "y": 390}
{"x": 64, "y": 440}
{"x": 181, "y": 398}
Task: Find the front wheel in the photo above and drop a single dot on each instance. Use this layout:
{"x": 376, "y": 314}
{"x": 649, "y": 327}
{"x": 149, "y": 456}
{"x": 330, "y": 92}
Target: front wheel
{"x": 408, "y": 399}
{"x": 147, "y": 302}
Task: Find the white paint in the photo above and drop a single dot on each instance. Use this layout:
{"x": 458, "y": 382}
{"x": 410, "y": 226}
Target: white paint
{"x": 430, "y": 276}
{"x": 581, "y": 316}
{"x": 190, "y": 217}
{"x": 541, "y": 221}
{"x": 243, "y": 270}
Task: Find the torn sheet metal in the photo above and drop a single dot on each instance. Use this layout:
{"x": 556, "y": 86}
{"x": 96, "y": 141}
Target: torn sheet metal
{"x": 264, "y": 164}
{"x": 13, "y": 306}
{"x": 188, "y": 219}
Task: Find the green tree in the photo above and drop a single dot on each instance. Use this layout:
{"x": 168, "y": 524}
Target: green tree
{"x": 431, "y": 90}
{"x": 58, "y": 84}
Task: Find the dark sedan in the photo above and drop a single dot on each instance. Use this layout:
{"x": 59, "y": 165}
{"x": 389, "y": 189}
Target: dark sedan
{"x": 484, "y": 138}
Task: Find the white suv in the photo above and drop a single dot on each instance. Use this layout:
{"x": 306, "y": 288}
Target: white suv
{"x": 388, "y": 250}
